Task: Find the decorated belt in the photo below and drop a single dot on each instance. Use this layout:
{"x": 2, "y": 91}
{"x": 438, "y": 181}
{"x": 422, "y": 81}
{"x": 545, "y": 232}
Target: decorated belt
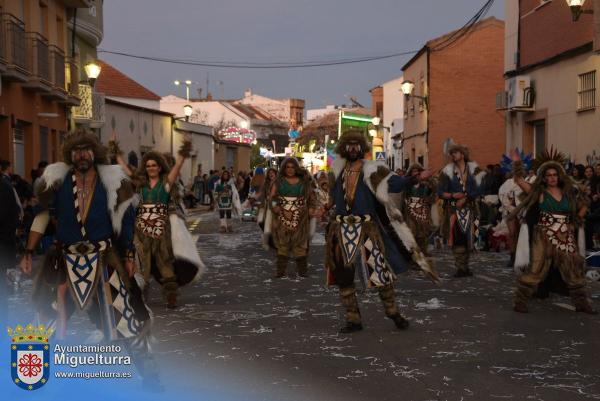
{"x": 160, "y": 209}
{"x": 87, "y": 247}
{"x": 351, "y": 218}
{"x": 550, "y": 219}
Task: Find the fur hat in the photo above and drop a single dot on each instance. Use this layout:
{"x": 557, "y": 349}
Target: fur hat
{"x": 413, "y": 167}
{"x": 455, "y": 147}
{"x": 82, "y": 138}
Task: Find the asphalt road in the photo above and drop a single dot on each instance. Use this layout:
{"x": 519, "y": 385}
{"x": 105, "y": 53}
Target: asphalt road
{"x": 243, "y": 335}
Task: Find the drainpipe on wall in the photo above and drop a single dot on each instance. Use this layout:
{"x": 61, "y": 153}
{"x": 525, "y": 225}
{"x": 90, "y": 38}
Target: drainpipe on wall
{"x": 596, "y": 21}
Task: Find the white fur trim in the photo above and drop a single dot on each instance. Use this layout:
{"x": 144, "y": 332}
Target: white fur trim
{"x": 338, "y": 166}
{"x": 313, "y": 228}
{"x": 54, "y": 174}
{"x": 435, "y": 215}
{"x": 370, "y": 167}
{"x": 112, "y": 176}
{"x": 581, "y": 241}
{"x": 522, "y": 253}
{"x": 183, "y": 245}
{"x": 479, "y": 177}
{"x": 382, "y": 193}
{"x": 267, "y": 231}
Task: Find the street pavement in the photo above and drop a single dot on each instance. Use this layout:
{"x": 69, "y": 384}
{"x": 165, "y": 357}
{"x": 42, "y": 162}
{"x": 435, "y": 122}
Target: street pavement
{"x": 244, "y": 335}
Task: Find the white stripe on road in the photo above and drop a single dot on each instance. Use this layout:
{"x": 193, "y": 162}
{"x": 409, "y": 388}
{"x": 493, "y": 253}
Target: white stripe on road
{"x": 486, "y": 278}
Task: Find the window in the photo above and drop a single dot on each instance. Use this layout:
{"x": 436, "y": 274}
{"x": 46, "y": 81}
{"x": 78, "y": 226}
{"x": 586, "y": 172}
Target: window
{"x": 586, "y": 91}
{"x": 19, "y": 149}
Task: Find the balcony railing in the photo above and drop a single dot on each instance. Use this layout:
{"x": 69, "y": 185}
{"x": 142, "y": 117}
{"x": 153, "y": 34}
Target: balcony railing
{"x": 91, "y": 109}
{"x": 72, "y": 76}
{"x": 57, "y": 58}
{"x": 39, "y": 57}
{"x": 13, "y": 31}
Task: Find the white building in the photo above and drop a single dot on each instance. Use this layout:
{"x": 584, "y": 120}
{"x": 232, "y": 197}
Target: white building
{"x": 313, "y": 114}
{"x": 393, "y": 121}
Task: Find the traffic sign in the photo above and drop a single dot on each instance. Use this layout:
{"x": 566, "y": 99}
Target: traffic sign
{"x": 380, "y": 156}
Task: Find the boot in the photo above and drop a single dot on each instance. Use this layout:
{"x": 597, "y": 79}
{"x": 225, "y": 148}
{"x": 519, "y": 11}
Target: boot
{"x": 228, "y": 226}
{"x": 581, "y": 301}
{"x": 400, "y": 321}
{"x": 350, "y": 303}
{"x": 170, "y": 290}
{"x": 388, "y": 298}
{"x": 461, "y": 262}
{"x": 302, "y": 266}
{"x": 281, "y": 266}
{"x": 223, "y": 226}
{"x": 522, "y": 294}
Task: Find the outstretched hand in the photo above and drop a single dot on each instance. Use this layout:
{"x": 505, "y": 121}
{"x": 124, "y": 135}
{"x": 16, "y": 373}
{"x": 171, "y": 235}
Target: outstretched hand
{"x": 425, "y": 174}
{"x": 515, "y": 155}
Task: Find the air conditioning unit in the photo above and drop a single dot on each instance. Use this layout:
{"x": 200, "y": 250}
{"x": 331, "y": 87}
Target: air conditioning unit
{"x": 521, "y": 95}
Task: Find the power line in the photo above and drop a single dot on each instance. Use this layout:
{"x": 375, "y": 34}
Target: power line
{"x": 252, "y": 65}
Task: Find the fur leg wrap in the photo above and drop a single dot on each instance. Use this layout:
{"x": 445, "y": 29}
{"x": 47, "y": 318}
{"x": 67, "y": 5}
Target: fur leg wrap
{"x": 580, "y": 298}
{"x": 461, "y": 258}
{"x": 302, "y": 265}
{"x": 350, "y": 303}
{"x": 387, "y": 296}
{"x": 281, "y": 263}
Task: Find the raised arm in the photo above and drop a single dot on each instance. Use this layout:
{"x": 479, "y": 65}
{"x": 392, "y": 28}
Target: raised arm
{"x": 184, "y": 153}
{"x": 114, "y": 149}
{"x": 519, "y": 172}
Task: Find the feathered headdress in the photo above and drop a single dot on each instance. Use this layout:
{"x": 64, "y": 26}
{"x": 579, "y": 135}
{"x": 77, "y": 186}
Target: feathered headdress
{"x": 552, "y": 156}
{"x": 506, "y": 164}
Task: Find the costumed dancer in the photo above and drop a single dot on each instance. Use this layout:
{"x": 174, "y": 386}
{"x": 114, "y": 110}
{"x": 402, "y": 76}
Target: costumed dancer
{"x": 323, "y": 196}
{"x": 265, "y": 215}
{"x": 417, "y": 206}
{"x": 293, "y": 202}
{"x": 91, "y": 264}
{"x": 460, "y": 187}
{"x": 164, "y": 245}
{"x": 553, "y": 212}
{"x": 227, "y": 200}
{"x": 367, "y": 231}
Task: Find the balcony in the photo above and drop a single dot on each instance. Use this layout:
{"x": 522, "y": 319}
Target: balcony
{"x": 14, "y": 45}
{"x": 39, "y": 63}
{"x": 72, "y": 81}
{"x": 91, "y": 108}
{"x": 57, "y": 74}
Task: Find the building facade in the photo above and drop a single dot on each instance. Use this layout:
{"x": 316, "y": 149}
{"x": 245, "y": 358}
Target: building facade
{"x": 39, "y": 79}
{"x": 550, "y": 97}
{"x": 457, "y": 82}
{"x": 393, "y": 121}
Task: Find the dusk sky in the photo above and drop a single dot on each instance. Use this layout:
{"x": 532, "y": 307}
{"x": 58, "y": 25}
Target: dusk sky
{"x": 276, "y": 31}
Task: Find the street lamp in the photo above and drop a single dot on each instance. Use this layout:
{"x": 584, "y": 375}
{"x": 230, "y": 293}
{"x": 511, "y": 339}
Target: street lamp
{"x": 92, "y": 70}
{"x": 576, "y": 7}
{"x": 187, "y": 111}
{"x": 187, "y": 83}
{"x": 244, "y": 124}
{"x": 407, "y": 87}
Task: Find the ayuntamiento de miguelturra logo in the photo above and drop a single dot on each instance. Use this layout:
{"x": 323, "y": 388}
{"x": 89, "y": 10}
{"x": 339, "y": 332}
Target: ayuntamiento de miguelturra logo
{"x": 30, "y": 355}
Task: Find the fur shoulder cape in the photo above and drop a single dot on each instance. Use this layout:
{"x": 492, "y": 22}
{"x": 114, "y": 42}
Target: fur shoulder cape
{"x": 119, "y": 192}
{"x": 474, "y": 171}
{"x": 376, "y": 176}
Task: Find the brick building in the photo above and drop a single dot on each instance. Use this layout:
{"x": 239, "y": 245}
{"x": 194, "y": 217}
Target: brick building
{"x": 40, "y": 74}
{"x": 551, "y": 73}
{"x": 459, "y": 81}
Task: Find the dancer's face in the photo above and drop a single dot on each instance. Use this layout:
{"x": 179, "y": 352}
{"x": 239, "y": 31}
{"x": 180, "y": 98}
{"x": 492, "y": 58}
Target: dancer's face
{"x": 457, "y": 156}
{"x": 272, "y": 174}
{"x": 415, "y": 172}
{"x": 152, "y": 169}
{"x": 551, "y": 177}
{"x": 83, "y": 159}
{"x": 290, "y": 170}
{"x": 589, "y": 172}
{"x": 355, "y": 151}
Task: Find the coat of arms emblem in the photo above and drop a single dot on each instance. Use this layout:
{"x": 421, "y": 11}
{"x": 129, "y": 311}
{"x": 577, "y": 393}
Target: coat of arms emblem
{"x": 30, "y": 355}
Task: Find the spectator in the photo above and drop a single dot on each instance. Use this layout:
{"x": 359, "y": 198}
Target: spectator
{"x": 9, "y": 220}
{"x": 198, "y": 185}
{"x": 592, "y": 221}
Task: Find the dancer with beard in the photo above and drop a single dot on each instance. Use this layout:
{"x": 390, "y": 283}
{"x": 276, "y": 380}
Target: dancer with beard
{"x": 553, "y": 209}
{"x": 91, "y": 265}
{"x": 164, "y": 245}
{"x": 227, "y": 200}
{"x": 460, "y": 186}
{"x": 367, "y": 231}
{"x": 293, "y": 202}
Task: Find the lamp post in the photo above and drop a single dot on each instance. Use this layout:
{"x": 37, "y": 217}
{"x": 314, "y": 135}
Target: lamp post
{"x": 407, "y": 87}
{"x": 92, "y": 71}
{"x": 187, "y": 84}
{"x": 187, "y": 111}
{"x": 244, "y": 124}
{"x": 576, "y": 7}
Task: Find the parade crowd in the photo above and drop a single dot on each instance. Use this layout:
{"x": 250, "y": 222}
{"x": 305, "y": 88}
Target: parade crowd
{"x": 101, "y": 222}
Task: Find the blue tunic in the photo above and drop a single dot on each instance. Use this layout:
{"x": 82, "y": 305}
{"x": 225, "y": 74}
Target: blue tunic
{"x": 98, "y": 224}
{"x": 453, "y": 185}
{"x": 365, "y": 203}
